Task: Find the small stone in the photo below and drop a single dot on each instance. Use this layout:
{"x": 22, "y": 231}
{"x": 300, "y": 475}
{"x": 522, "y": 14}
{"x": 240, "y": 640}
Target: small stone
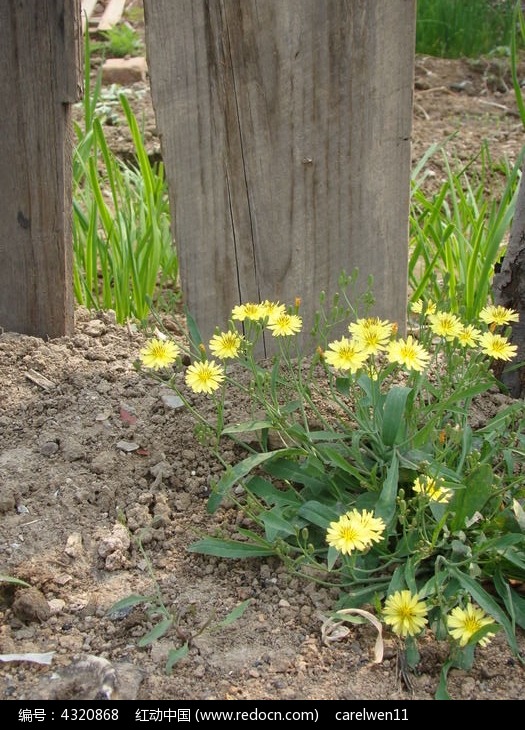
{"x": 200, "y": 671}
{"x": 173, "y": 402}
{"x": 283, "y": 603}
{"x": 30, "y": 605}
{"x": 95, "y": 328}
{"x": 182, "y": 501}
{"x": 49, "y": 448}
{"x": 118, "y": 541}
{"x": 72, "y": 449}
{"x": 56, "y": 606}
{"x": 74, "y": 545}
{"x": 127, "y": 446}
{"x": 124, "y": 71}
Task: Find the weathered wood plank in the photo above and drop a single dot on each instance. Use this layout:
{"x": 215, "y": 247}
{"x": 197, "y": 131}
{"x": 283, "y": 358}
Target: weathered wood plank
{"x": 112, "y": 14}
{"x": 285, "y": 129}
{"x": 36, "y": 86}
{"x": 88, "y": 6}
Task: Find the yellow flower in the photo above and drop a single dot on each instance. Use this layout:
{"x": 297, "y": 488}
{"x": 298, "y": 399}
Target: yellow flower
{"x": 158, "y": 354}
{"x": 419, "y": 307}
{"x": 355, "y": 531}
{"x": 469, "y": 336}
{"x": 272, "y": 309}
{"x": 248, "y": 311}
{"x": 463, "y": 623}
{"x": 405, "y": 613}
{"x": 204, "y": 377}
{"x": 225, "y": 345}
{"x": 432, "y": 489}
{"x": 497, "y": 346}
{"x": 408, "y": 353}
{"x": 284, "y": 324}
{"x": 373, "y": 333}
{"x": 498, "y": 315}
{"x": 445, "y": 325}
{"x": 345, "y": 354}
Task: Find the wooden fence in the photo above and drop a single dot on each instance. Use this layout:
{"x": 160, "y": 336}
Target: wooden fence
{"x": 285, "y": 130}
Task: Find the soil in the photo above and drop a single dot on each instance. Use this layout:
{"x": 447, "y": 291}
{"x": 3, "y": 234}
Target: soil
{"x": 87, "y": 443}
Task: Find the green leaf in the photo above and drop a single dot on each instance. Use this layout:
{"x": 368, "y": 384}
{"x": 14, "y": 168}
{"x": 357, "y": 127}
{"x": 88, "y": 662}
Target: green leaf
{"x": 246, "y": 426}
{"x": 393, "y": 414}
{"x": 471, "y": 499}
{"x": 315, "y": 436}
{"x": 266, "y": 491}
{"x": 235, "y": 613}
{"x": 193, "y": 331}
{"x": 318, "y": 514}
{"x": 233, "y": 474}
{"x": 229, "y": 548}
{"x": 488, "y": 604}
{"x": 442, "y": 691}
{"x": 334, "y": 457}
{"x": 276, "y": 526}
{"x": 156, "y": 632}
{"x": 132, "y": 600}
{"x": 331, "y": 558}
{"x": 16, "y": 581}
{"x": 386, "y": 504}
{"x": 305, "y": 472}
{"x": 175, "y": 655}
{"x": 514, "y": 603}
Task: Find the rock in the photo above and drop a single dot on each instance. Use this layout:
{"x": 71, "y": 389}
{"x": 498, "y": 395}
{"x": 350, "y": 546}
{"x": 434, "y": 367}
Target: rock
{"x": 56, "y": 606}
{"x": 72, "y": 449}
{"x": 74, "y": 545}
{"x": 127, "y": 446}
{"x": 30, "y": 605}
{"x": 95, "y": 328}
{"x": 118, "y": 541}
{"x": 138, "y": 516}
{"x": 49, "y": 448}
{"x": 124, "y": 71}
{"x": 170, "y": 401}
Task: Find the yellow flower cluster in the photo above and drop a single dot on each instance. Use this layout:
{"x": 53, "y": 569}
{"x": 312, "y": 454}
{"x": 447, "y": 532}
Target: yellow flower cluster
{"x": 432, "y": 488}
{"x": 368, "y": 337}
{"x": 355, "y": 531}
{"x": 407, "y": 615}
{"x": 450, "y": 328}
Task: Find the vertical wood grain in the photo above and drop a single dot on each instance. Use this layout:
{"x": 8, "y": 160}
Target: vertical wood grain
{"x": 39, "y": 56}
{"x": 285, "y": 129}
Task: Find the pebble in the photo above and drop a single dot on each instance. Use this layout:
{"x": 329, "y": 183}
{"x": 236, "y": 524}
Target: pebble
{"x": 127, "y": 446}
{"x": 30, "y": 605}
{"x": 49, "y": 448}
{"x": 95, "y": 328}
{"x": 74, "y": 546}
{"x": 173, "y": 402}
{"x": 56, "y": 606}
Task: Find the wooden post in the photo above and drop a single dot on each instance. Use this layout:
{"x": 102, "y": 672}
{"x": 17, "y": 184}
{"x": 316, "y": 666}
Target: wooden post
{"x": 40, "y": 59}
{"x": 285, "y": 129}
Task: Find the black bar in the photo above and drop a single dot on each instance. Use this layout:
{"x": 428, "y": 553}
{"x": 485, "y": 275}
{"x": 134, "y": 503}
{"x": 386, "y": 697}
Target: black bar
{"x": 189, "y": 713}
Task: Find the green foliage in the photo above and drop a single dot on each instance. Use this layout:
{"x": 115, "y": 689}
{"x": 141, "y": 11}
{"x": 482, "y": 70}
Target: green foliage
{"x": 383, "y": 487}
{"x": 121, "y": 40}
{"x": 458, "y": 234}
{"x": 123, "y": 250}
{"x": 455, "y": 28}
{"x": 517, "y": 42}
{"x": 16, "y": 581}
